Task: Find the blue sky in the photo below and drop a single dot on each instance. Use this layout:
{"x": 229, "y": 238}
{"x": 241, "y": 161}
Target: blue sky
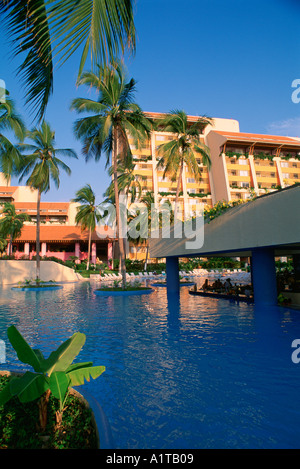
{"x": 222, "y": 58}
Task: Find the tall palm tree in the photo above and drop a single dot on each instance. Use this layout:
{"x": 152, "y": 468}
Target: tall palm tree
{"x": 153, "y": 212}
{"x": 87, "y": 215}
{"x": 41, "y": 166}
{"x": 128, "y": 181}
{"x": 184, "y": 149}
{"x": 115, "y": 115}
{"x": 10, "y": 121}
{"x": 44, "y": 30}
{"x": 12, "y": 223}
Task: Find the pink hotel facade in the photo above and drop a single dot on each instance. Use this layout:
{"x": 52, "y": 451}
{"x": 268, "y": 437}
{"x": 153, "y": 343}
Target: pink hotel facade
{"x": 241, "y": 163}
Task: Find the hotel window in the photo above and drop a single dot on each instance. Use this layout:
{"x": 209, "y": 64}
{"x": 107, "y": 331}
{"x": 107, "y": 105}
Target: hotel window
{"x": 295, "y": 176}
{"x": 192, "y": 191}
{"x": 285, "y": 175}
{"x": 191, "y": 180}
{"x": 245, "y": 185}
{"x": 294, "y": 165}
{"x": 284, "y": 164}
{"x": 243, "y": 161}
{"x": 272, "y": 175}
{"x": 244, "y": 173}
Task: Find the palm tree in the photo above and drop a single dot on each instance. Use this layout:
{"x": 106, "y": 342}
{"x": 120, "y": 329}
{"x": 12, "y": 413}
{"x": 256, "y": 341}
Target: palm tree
{"x": 115, "y": 115}
{"x": 3, "y": 244}
{"x": 184, "y": 149}
{"x": 45, "y": 29}
{"x": 12, "y": 223}
{"x": 128, "y": 181}
{"x": 9, "y": 121}
{"x": 152, "y": 210}
{"x": 41, "y": 165}
{"x": 87, "y": 214}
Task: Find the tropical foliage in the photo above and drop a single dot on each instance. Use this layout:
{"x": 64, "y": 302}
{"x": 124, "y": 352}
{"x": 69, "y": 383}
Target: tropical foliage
{"x": 45, "y": 30}
{"x": 40, "y": 166}
{"x": 87, "y": 215}
{"x": 184, "y": 149}
{"x": 55, "y": 374}
{"x": 10, "y": 121}
{"x": 128, "y": 181}
{"x": 114, "y": 116}
{"x": 11, "y": 224}
{"x": 221, "y": 207}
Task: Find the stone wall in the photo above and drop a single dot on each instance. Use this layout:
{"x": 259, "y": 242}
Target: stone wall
{"x": 12, "y": 272}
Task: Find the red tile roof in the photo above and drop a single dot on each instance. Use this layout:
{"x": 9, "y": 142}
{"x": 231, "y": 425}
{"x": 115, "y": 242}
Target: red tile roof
{"x": 259, "y": 138}
{"x": 49, "y": 207}
{"x": 62, "y": 233}
{"x": 161, "y": 115}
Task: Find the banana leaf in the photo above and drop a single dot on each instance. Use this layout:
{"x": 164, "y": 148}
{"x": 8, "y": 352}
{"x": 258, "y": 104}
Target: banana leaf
{"x": 59, "y": 383}
{"x": 60, "y": 359}
{"x": 29, "y": 386}
{"x": 25, "y": 353}
{"x": 83, "y": 371}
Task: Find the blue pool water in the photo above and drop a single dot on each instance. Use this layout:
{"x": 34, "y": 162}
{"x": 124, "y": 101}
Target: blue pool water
{"x": 180, "y": 373}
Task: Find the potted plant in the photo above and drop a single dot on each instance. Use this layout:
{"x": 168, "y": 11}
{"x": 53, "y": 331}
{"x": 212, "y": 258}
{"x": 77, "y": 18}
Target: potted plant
{"x": 36, "y": 285}
{"x": 116, "y": 289}
{"x": 53, "y": 379}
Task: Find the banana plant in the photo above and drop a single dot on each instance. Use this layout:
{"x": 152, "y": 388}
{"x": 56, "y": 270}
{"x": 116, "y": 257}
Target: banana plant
{"x": 55, "y": 374}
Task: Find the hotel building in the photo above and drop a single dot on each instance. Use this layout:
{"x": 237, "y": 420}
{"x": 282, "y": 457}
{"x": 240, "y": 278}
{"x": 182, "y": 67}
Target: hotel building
{"x": 241, "y": 164}
{"x": 59, "y": 235}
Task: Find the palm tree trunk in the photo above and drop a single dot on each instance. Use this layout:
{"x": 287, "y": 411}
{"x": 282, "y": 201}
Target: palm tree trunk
{"x": 146, "y": 260}
{"x": 89, "y": 249}
{"x": 10, "y": 245}
{"x": 38, "y": 223}
{"x": 119, "y": 221}
{"x": 178, "y": 189}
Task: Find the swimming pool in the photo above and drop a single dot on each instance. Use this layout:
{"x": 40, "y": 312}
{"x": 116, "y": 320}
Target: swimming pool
{"x": 180, "y": 373}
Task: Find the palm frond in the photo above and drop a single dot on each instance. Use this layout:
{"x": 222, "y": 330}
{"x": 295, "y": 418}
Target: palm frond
{"x": 103, "y": 29}
{"x": 28, "y": 30}
{"x": 43, "y": 28}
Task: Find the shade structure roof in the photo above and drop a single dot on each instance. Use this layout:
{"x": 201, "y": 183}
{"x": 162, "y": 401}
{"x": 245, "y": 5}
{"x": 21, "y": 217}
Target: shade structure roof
{"x": 272, "y": 220}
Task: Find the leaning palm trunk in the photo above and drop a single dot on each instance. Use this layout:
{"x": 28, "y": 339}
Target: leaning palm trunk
{"x": 118, "y": 217}
{"x": 89, "y": 249}
{"x": 177, "y": 190}
{"x": 146, "y": 260}
{"x": 38, "y": 222}
{"x": 10, "y": 245}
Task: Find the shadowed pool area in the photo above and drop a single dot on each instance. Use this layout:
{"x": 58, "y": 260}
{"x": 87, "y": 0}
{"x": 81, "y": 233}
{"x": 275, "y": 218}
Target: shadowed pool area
{"x": 182, "y": 372}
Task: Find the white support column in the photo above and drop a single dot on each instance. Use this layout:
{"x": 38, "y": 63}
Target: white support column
{"x": 26, "y": 249}
{"x": 279, "y": 171}
{"x": 77, "y": 250}
{"x": 253, "y": 173}
{"x": 44, "y": 249}
{"x": 228, "y": 193}
{"x": 94, "y": 253}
